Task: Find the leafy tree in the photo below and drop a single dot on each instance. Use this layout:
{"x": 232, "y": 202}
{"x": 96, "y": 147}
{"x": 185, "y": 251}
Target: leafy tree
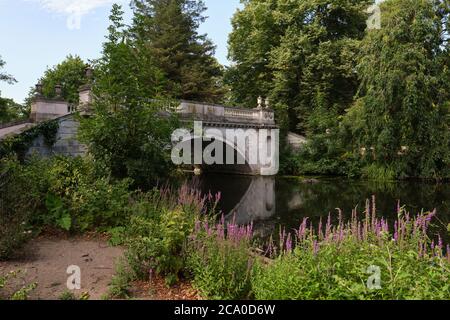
{"x": 4, "y": 76}
{"x": 9, "y": 110}
{"x": 70, "y": 74}
{"x": 129, "y": 132}
{"x": 165, "y": 31}
{"x": 302, "y": 54}
{"x": 404, "y": 97}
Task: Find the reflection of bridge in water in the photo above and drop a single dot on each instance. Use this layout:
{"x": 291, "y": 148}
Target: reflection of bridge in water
{"x": 258, "y": 202}
{"x": 245, "y": 199}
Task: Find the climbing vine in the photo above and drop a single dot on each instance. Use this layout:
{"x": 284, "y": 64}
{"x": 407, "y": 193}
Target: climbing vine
{"x": 19, "y": 144}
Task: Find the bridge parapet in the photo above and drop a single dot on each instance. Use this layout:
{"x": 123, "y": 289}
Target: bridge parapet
{"x": 224, "y": 114}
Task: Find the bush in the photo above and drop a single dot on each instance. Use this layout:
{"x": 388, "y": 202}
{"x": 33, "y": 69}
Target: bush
{"x": 220, "y": 261}
{"x": 157, "y": 234}
{"x": 16, "y": 206}
{"x": 69, "y": 193}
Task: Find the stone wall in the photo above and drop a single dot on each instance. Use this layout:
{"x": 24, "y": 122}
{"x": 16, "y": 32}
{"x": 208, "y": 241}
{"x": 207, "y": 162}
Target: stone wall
{"x": 66, "y": 140}
{"x": 43, "y": 109}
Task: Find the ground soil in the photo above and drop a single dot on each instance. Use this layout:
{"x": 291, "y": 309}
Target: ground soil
{"x": 45, "y": 260}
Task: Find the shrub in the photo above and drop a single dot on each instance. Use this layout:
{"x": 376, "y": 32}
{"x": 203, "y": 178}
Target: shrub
{"x": 16, "y": 206}
{"x": 73, "y": 194}
{"x": 379, "y": 173}
{"x": 101, "y": 204}
{"x": 120, "y": 283}
{"x": 156, "y": 236}
{"x": 220, "y": 261}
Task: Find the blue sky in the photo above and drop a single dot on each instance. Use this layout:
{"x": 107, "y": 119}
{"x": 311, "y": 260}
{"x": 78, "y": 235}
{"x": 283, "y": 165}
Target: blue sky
{"x": 36, "y": 34}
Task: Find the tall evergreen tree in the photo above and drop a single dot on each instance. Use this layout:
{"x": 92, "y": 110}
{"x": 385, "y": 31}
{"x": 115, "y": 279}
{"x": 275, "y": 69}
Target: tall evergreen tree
{"x": 166, "y": 31}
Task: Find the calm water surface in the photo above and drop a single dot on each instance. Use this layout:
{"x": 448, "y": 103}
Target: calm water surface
{"x": 273, "y": 202}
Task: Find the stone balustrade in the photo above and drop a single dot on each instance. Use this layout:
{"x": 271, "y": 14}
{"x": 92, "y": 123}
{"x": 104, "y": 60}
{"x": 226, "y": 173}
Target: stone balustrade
{"x": 226, "y": 115}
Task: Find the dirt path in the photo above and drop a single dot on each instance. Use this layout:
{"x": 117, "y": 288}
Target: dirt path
{"x": 45, "y": 262}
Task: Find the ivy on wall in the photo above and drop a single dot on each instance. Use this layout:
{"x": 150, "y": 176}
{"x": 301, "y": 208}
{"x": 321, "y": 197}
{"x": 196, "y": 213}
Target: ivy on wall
{"x": 19, "y": 144}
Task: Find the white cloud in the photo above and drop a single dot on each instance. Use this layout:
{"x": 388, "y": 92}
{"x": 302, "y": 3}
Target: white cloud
{"x": 74, "y": 9}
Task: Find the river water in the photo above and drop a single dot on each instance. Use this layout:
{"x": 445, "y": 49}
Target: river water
{"x": 274, "y": 202}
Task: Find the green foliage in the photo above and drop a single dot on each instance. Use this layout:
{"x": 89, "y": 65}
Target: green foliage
{"x": 70, "y": 74}
{"x": 21, "y": 294}
{"x": 380, "y": 91}
{"x": 68, "y": 193}
{"x": 343, "y": 261}
{"x": 165, "y": 33}
{"x": 16, "y": 206}
{"x": 79, "y": 198}
{"x": 340, "y": 273}
{"x": 19, "y": 144}
{"x": 57, "y": 213}
{"x": 129, "y": 132}
{"x": 221, "y": 269}
{"x": 155, "y": 243}
{"x": 11, "y": 111}
{"x": 300, "y": 53}
{"x": 4, "y": 76}
{"x": 158, "y": 231}
{"x": 120, "y": 283}
{"x": 404, "y": 91}
{"x": 24, "y": 293}
{"x": 67, "y": 296}
{"x": 378, "y": 173}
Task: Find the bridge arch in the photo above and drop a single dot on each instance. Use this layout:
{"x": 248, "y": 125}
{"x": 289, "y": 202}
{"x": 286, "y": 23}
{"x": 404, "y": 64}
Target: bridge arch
{"x": 232, "y": 159}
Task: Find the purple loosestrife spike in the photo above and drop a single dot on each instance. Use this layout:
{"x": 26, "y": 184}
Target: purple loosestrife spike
{"x": 320, "y": 229}
{"x": 289, "y": 244}
{"x": 328, "y": 227}
{"x": 315, "y": 247}
{"x": 396, "y": 231}
{"x": 440, "y": 243}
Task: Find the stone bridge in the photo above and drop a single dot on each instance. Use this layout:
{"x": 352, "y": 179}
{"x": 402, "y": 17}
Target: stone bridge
{"x": 249, "y": 137}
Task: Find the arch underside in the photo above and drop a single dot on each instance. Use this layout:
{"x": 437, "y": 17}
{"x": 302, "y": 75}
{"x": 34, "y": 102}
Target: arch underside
{"x": 239, "y": 166}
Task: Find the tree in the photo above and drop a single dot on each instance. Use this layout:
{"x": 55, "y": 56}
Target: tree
{"x": 301, "y": 54}
{"x": 4, "y": 76}
{"x": 404, "y": 97}
{"x": 9, "y": 110}
{"x": 165, "y": 31}
{"x": 129, "y": 132}
{"x": 70, "y": 74}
